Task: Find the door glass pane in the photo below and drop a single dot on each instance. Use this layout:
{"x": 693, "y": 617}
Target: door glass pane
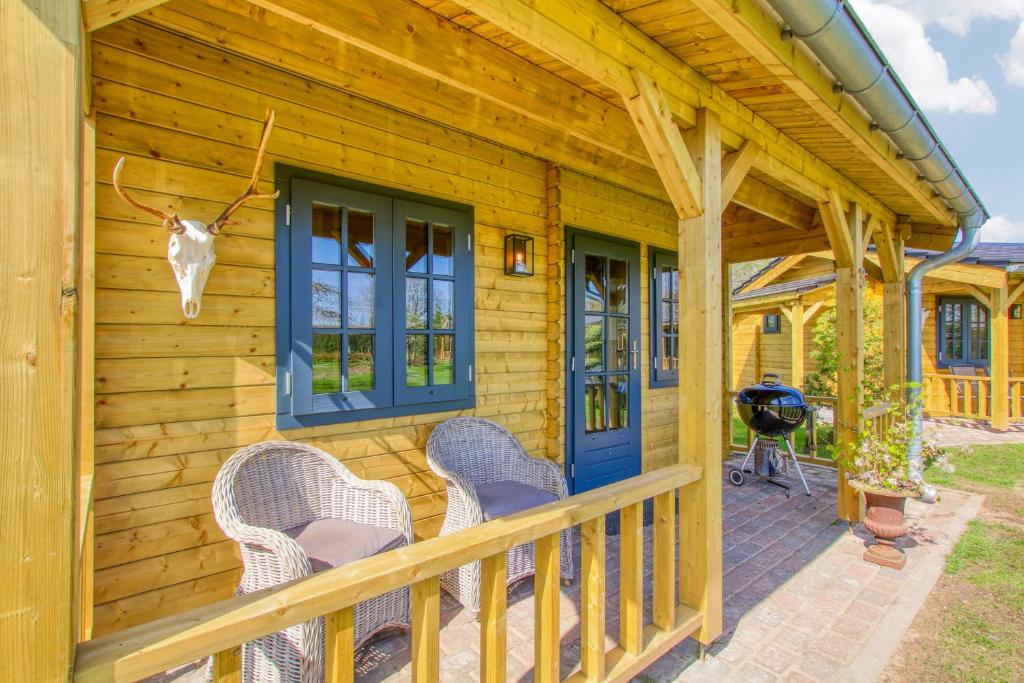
{"x": 415, "y": 246}
{"x": 360, "y": 363}
{"x": 618, "y": 339}
{"x": 979, "y": 333}
{"x": 326, "y": 234}
{"x": 618, "y": 286}
{"x": 953, "y": 331}
{"x": 668, "y": 282}
{"x": 595, "y": 283}
{"x": 442, "y": 256}
{"x": 415, "y": 303}
{"x": 444, "y": 349}
{"x": 593, "y": 404}
{"x": 675, "y": 317}
{"x": 443, "y": 314}
{"x": 326, "y": 299}
{"x": 416, "y": 360}
{"x": 360, "y": 300}
{"x": 674, "y": 353}
{"x": 326, "y": 363}
{"x": 618, "y": 401}
{"x": 593, "y": 343}
{"x": 360, "y": 238}
{"x": 666, "y": 317}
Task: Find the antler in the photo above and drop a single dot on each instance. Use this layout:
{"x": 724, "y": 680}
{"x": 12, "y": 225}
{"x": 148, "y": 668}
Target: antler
{"x": 250, "y": 192}
{"x": 170, "y": 221}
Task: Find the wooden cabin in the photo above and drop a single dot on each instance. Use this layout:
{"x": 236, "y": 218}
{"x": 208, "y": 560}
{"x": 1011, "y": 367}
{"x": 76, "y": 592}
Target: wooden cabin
{"x": 637, "y": 146}
{"x": 968, "y": 349}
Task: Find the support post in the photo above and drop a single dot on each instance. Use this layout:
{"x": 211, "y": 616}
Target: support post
{"x": 850, "y": 337}
{"x": 1000, "y": 358}
{"x": 796, "y": 346}
{"x": 40, "y": 186}
{"x": 700, "y": 404}
{"x": 894, "y": 309}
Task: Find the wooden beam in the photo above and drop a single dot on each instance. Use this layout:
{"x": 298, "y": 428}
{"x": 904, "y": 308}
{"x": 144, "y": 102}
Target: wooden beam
{"x": 929, "y": 236}
{"x": 735, "y": 169}
{"x": 768, "y": 201}
{"x": 775, "y": 272}
{"x": 795, "y": 313}
{"x": 850, "y": 342}
{"x": 966, "y": 273}
{"x": 1015, "y": 294}
{"x": 592, "y": 38}
{"x": 978, "y": 294}
{"x": 845, "y": 245}
{"x": 1000, "y": 359}
{"x": 888, "y": 244}
{"x": 99, "y": 13}
{"x": 653, "y": 119}
{"x": 811, "y": 310}
{"x": 760, "y": 33}
{"x": 700, "y": 404}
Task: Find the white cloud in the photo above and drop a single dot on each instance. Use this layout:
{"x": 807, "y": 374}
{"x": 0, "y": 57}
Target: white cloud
{"x": 922, "y": 68}
{"x": 1001, "y": 229}
{"x": 1013, "y": 61}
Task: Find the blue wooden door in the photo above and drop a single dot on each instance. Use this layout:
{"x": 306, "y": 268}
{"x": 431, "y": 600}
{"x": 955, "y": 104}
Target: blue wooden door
{"x": 604, "y": 361}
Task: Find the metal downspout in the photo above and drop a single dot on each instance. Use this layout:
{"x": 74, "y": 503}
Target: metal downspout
{"x": 837, "y": 37}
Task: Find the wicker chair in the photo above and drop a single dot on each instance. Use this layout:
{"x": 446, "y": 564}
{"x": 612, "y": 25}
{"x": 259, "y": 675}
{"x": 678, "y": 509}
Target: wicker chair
{"x": 265, "y": 497}
{"x": 471, "y": 454}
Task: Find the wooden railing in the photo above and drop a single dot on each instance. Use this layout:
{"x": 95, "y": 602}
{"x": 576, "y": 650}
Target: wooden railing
{"x": 813, "y": 441}
{"x": 221, "y": 628}
{"x": 956, "y": 395}
{"x": 878, "y": 418}
{"x": 1017, "y": 398}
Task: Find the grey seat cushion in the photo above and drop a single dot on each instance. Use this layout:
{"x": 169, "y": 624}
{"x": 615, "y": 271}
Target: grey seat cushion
{"x": 331, "y": 543}
{"x": 502, "y": 498}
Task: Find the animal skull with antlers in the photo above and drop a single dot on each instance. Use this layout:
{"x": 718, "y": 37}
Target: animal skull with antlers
{"x": 190, "y": 250}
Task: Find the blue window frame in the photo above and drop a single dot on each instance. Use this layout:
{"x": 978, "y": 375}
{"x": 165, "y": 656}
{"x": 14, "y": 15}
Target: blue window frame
{"x": 664, "y": 318}
{"x": 374, "y": 302}
{"x": 772, "y": 323}
{"x": 963, "y": 331}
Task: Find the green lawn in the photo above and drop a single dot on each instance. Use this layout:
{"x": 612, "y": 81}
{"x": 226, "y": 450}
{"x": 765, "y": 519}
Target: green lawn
{"x": 972, "y": 627}
{"x": 826, "y": 438}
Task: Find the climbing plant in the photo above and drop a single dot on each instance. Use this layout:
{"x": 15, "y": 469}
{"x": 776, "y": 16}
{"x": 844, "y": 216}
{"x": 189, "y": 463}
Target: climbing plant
{"x": 825, "y": 352}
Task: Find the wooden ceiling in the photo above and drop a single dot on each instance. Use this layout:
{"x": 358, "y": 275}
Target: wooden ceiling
{"x": 701, "y": 42}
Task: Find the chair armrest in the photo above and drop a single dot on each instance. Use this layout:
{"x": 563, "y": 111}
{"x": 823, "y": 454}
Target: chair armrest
{"x": 379, "y": 503}
{"x": 464, "y": 509}
{"x": 544, "y": 474}
{"x": 270, "y": 557}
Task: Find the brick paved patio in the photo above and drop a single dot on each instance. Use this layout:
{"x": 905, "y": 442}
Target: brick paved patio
{"x": 800, "y": 604}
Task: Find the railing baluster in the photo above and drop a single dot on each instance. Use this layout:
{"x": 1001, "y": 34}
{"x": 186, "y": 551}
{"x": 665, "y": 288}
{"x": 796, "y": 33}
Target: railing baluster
{"x": 665, "y": 560}
{"x": 1015, "y": 407}
{"x": 340, "y": 652}
{"x": 983, "y": 410}
{"x": 547, "y": 594}
{"x": 426, "y": 624}
{"x": 968, "y": 398}
{"x": 493, "y": 601}
{"x": 227, "y": 666}
{"x": 592, "y": 578}
{"x": 631, "y": 578}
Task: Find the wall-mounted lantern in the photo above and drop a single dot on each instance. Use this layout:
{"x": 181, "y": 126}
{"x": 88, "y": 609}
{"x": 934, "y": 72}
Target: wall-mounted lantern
{"x": 1015, "y": 312}
{"x": 519, "y": 255}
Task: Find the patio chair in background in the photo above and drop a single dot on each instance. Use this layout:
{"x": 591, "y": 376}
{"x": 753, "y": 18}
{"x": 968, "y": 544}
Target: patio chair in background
{"x": 489, "y": 475}
{"x": 294, "y": 510}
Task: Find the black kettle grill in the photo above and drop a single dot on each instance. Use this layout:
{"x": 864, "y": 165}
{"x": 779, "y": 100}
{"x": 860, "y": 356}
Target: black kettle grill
{"x": 771, "y": 410}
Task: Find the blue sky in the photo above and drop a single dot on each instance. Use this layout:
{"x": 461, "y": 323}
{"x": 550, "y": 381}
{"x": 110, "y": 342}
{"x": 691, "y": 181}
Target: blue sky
{"x": 964, "y": 63}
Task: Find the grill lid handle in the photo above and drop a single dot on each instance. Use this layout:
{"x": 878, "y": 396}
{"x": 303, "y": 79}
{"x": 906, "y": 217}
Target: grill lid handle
{"x": 770, "y": 379}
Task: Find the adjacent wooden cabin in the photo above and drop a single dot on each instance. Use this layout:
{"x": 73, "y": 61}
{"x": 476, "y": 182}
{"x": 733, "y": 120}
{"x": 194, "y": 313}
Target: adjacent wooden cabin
{"x": 641, "y": 147}
{"x": 969, "y": 346}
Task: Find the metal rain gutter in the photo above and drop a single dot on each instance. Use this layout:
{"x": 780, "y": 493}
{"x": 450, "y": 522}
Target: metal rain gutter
{"x": 836, "y": 35}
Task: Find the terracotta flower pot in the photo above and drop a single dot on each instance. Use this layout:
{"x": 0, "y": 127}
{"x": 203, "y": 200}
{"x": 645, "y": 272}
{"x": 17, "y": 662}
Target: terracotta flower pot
{"x": 886, "y": 519}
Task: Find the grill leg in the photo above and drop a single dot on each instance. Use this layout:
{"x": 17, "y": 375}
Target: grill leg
{"x": 753, "y": 445}
{"x": 792, "y": 453}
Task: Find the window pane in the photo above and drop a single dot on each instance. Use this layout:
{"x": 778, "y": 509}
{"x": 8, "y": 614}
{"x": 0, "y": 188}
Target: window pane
{"x": 360, "y": 300}
{"x": 618, "y": 286}
{"x": 360, "y": 238}
{"x": 618, "y": 338}
{"x": 326, "y": 299}
{"x": 979, "y": 333}
{"x": 326, "y": 363}
{"x": 666, "y": 317}
{"x": 618, "y": 401}
{"x": 443, "y": 314}
{"x": 415, "y": 246}
{"x": 442, "y": 256}
{"x": 668, "y": 282}
{"x": 675, "y": 317}
{"x": 416, "y": 360}
{"x": 444, "y": 358}
{"x": 953, "y": 331}
{"x": 593, "y": 343}
{"x": 593, "y": 404}
{"x": 326, "y": 234}
{"x": 360, "y": 363}
{"x": 594, "y": 277}
{"x": 415, "y": 303}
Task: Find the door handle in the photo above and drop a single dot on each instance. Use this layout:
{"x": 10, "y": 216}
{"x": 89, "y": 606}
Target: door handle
{"x": 635, "y": 353}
